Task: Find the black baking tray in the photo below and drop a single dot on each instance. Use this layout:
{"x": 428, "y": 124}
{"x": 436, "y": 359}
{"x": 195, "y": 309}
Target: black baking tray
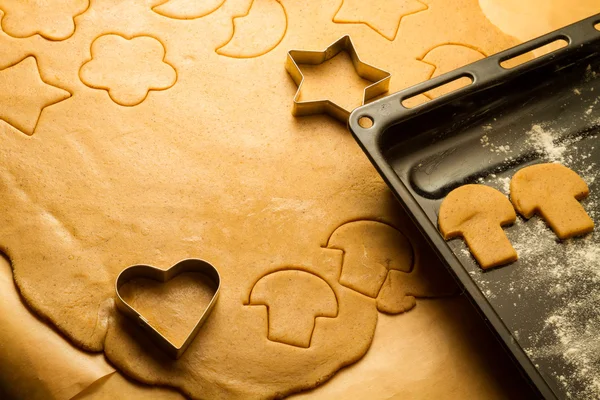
{"x": 544, "y": 110}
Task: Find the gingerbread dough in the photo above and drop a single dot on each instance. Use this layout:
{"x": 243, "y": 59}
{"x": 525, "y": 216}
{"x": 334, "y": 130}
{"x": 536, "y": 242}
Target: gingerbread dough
{"x": 553, "y": 191}
{"x": 37, "y": 363}
{"x": 434, "y": 336}
{"x": 205, "y": 162}
{"x": 477, "y": 214}
{"x": 527, "y": 20}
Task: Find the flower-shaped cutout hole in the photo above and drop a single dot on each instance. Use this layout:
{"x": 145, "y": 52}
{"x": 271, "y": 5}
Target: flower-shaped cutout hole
{"x": 51, "y": 19}
{"x": 294, "y": 299}
{"x": 128, "y": 68}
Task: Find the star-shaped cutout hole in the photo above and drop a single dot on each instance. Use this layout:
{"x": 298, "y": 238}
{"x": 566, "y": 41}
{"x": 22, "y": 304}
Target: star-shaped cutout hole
{"x": 383, "y": 17}
{"x": 333, "y": 81}
{"x": 24, "y": 95}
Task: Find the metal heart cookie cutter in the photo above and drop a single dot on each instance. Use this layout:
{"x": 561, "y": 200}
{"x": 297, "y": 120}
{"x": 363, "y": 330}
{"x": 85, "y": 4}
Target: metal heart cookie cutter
{"x": 160, "y": 275}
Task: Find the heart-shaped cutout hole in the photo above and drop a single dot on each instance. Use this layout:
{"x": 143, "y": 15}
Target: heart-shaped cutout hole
{"x": 170, "y": 304}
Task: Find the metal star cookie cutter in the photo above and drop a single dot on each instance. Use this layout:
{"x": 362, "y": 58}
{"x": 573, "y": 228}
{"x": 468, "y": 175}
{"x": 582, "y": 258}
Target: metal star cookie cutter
{"x": 147, "y": 271}
{"x": 379, "y": 77}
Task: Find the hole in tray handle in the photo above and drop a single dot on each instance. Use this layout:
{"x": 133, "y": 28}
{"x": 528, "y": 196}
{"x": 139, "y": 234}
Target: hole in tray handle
{"x": 597, "y": 26}
{"x": 365, "y": 122}
{"x": 535, "y": 51}
{"x": 437, "y": 91}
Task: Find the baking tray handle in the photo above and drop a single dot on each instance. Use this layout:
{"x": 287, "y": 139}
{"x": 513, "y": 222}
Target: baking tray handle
{"x": 482, "y": 73}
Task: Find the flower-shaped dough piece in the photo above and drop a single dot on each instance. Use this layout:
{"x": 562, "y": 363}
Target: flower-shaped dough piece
{"x": 128, "y": 68}
{"x": 51, "y": 19}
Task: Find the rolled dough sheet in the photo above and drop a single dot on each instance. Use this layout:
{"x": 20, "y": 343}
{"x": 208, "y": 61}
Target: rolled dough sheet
{"x": 526, "y": 20}
{"x": 440, "y": 350}
{"x": 116, "y": 386}
{"x": 36, "y": 362}
{"x": 428, "y": 353}
{"x": 200, "y": 157}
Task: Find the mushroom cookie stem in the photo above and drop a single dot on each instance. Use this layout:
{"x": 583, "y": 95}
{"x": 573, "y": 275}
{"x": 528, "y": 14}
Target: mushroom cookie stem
{"x": 489, "y": 245}
{"x": 477, "y": 214}
{"x": 553, "y": 191}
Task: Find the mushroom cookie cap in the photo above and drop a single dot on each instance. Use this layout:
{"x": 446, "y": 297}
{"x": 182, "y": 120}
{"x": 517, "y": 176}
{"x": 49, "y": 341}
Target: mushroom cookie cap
{"x": 371, "y": 249}
{"x": 553, "y": 191}
{"x": 477, "y": 213}
{"x": 294, "y": 298}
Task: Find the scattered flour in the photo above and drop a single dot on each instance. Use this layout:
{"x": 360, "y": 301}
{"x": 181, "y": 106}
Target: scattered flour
{"x": 544, "y": 143}
{"x": 565, "y": 276}
{"x": 590, "y": 74}
{"x": 571, "y": 277}
{"x": 485, "y": 142}
{"x": 504, "y": 185}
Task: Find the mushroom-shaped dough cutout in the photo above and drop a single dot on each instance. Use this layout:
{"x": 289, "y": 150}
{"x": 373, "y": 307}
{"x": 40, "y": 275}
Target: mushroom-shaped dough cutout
{"x": 371, "y": 249}
{"x": 553, "y": 191}
{"x": 477, "y": 213}
{"x": 294, "y": 298}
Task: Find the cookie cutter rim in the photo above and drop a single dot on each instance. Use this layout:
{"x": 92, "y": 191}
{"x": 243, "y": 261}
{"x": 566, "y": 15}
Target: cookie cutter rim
{"x": 295, "y": 58}
{"x": 161, "y": 275}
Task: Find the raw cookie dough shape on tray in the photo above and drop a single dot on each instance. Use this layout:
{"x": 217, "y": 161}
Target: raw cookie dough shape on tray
{"x": 256, "y": 32}
{"x": 128, "y": 68}
{"x": 24, "y": 94}
{"x": 553, "y": 191}
{"x": 51, "y": 19}
{"x": 477, "y": 213}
